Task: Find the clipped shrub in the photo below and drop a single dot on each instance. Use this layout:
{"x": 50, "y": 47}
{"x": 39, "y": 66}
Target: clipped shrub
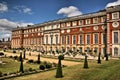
{"x": 30, "y": 61}
{"x": 10, "y": 56}
{"x": 48, "y": 65}
{"x": 42, "y": 67}
{"x": 14, "y": 51}
{"x": 1, "y": 53}
{"x": 15, "y": 57}
{"x": 5, "y": 74}
{"x": 30, "y": 69}
{"x": 0, "y": 74}
{"x": 54, "y": 64}
{"x": 44, "y": 62}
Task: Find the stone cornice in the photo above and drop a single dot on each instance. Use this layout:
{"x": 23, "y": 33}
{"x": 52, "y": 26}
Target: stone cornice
{"x": 113, "y": 9}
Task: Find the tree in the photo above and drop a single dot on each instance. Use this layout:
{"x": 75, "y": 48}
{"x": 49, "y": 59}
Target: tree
{"x": 38, "y": 58}
{"x": 21, "y": 63}
{"x": 85, "y": 63}
{"x": 99, "y": 61}
{"x": 59, "y": 68}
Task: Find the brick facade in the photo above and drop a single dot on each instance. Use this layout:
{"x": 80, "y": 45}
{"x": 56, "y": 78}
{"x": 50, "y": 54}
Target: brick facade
{"x": 95, "y": 31}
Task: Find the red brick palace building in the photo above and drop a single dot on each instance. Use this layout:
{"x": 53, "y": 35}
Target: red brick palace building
{"x": 98, "y": 31}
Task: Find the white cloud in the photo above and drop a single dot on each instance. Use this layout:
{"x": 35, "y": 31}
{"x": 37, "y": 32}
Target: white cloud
{"x": 6, "y": 26}
{"x": 69, "y": 11}
{"x": 113, "y": 3}
{"x": 23, "y": 9}
{"x": 3, "y": 7}
{"x": 27, "y": 10}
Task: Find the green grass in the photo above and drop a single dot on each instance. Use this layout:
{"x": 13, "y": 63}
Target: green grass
{"x": 108, "y": 70}
{"x": 13, "y": 66}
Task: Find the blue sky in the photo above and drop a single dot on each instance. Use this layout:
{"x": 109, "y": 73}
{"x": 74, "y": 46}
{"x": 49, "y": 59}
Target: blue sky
{"x": 23, "y": 12}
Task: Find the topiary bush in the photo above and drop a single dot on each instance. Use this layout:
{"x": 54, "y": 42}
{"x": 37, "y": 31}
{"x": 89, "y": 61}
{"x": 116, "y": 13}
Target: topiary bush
{"x": 42, "y": 67}
{"x": 85, "y": 62}
{"x": 59, "y": 68}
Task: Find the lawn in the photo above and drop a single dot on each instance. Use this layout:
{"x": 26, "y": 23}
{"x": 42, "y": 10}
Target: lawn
{"x": 108, "y": 70}
{"x": 13, "y": 66}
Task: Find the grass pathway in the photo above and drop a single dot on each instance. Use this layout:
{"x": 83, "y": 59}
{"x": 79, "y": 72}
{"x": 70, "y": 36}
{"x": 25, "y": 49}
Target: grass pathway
{"x": 108, "y": 70}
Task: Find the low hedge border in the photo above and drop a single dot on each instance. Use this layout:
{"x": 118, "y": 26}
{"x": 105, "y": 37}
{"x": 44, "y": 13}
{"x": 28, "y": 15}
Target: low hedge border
{"x": 25, "y": 73}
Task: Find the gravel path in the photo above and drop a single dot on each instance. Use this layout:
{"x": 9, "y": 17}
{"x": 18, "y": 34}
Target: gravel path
{"x": 68, "y": 63}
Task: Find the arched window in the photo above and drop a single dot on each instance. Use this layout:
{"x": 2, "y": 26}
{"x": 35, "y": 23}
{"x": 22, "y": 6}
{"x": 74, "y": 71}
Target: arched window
{"x": 115, "y": 51}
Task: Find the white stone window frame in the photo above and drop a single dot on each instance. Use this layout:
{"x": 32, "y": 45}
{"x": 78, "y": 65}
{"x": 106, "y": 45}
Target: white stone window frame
{"x": 80, "y": 22}
{"x": 67, "y": 39}
{"x": 73, "y": 39}
{"x": 62, "y": 24}
{"x": 74, "y": 23}
{"x": 102, "y": 38}
{"x": 62, "y": 40}
{"x": 86, "y": 39}
{"x": 113, "y": 36}
{"x": 88, "y": 21}
{"x": 103, "y": 19}
{"x": 68, "y": 23}
{"x": 116, "y": 46}
{"x": 94, "y": 20}
{"x": 94, "y": 38}
{"x": 113, "y": 17}
{"x": 79, "y": 39}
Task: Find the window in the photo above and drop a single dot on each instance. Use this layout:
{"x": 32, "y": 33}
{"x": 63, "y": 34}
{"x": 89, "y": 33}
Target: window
{"x": 88, "y": 39}
{"x": 68, "y": 49}
{"x": 74, "y": 39}
{"x": 95, "y": 20}
{"x": 39, "y": 40}
{"x": 68, "y": 39}
{"x": 63, "y": 40}
{"x": 88, "y": 49}
{"x": 87, "y": 21}
{"x": 46, "y": 39}
{"x": 80, "y": 22}
{"x": 74, "y": 49}
{"x": 115, "y": 51}
{"x": 115, "y": 37}
{"x": 42, "y": 40}
{"x": 96, "y": 50}
{"x": 95, "y": 38}
{"x": 51, "y": 36}
{"x": 115, "y": 15}
{"x": 68, "y": 23}
{"x": 63, "y": 25}
{"x": 56, "y": 39}
{"x": 104, "y": 51}
{"x": 80, "y": 39}
{"x": 104, "y": 38}
{"x": 80, "y": 48}
{"x": 103, "y": 19}
{"x": 74, "y": 23}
